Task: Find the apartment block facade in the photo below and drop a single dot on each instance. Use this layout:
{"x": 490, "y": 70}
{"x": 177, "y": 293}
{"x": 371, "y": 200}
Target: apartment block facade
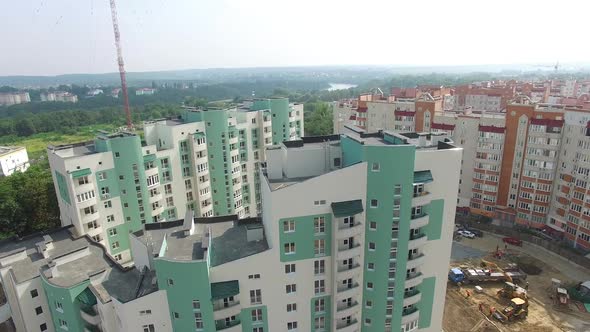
{"x": 520, "y": 165}
{"x": 13, "y": 159}
{"x": 354, "y": 235}
{"x": 205, "y": 161}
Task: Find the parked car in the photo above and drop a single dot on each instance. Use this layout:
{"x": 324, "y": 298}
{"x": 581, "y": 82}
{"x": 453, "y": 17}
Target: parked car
{"x": 477, "y": 232}
{"x": 513, "y": 241}
{"x": 466, "y": 234}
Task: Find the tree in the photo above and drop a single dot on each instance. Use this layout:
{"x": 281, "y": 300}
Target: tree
{"x": 318, "y": 119}
{"x": 25, "y": 127}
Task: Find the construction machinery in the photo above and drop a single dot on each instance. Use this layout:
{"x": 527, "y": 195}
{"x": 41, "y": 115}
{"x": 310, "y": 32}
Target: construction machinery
{"x": 469, "y": 274}
{"x": 517, "y": 309}
{"x": 511, "y": 291}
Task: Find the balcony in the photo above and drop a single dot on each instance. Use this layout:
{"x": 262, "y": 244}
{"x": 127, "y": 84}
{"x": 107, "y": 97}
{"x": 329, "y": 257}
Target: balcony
{"x": 349, "y": 252}
{"x": 421, "y": 198}
{"x": 233, "y": 140}
{"x": 233, "y": 326}
{"x": 87, "y": 203}
{"x": 413, "y": 279}
{"x": 151, "y": 171}
{"x": 158, "y": 210}
{"x": 417, "y": 241}
{"x": 156, "y": 197}
{"x": 345, "y": 232}
{"x": 345, "y": 310}
{"x": 90, "y": 315}
{"x": 347, "y": 326}
{"x": 86, "y": 218}
{"x": 412, "y": 297}
{"x": 346, "y": 272}
{"x": 420, "y": 220}
{"x": 82, "y": 188}
{"x": 415, "y": 261}
{"x": 221, "y": 311}
{"x": 410, "y": 315}
{"x": 344, "y": 292}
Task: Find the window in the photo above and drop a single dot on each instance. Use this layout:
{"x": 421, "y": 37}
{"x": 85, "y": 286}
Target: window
{"x": 149, "y": 328}
{"x": 110, "y": 218}
{"x": 112, "y": 231}
{"x": 291, "y": 289}
{"x": 319, "y": 267}
{"x": 291, "y": 307}
{"x": 43, "y": 327}
{"x": 320, "y": 247}
{"x": 38, "y": 310}
{"x": 289, "y": 248}
{"x": 59, "y": 307}
{"x": 319, "y": 225}
{"x": 368, "y": 321}
{"x": 83, "y": 180}
{"x": 196, "y": 305}
{"x": 102, "y": 176}
{"x": 319, "y": 286}
{"x": 290, "y": 268}
{"x": 373, "y": 225}
{"x": 337, "y": 162}
{"x": 288, "y": 226}
{"x": 254, "y": 276}
{"x": 108, "y": 204}
{"x": 63, "y": 324}
{"x": 370, "y": 285}
{"x": 375, "y": 167}
{"x": 188, "y": 184}
{"x": 34, "y": 293}
{"x": 170, "y": 282}
{"x": 256, "y": 296}
{"x": 145, "y": 312}
{"x": 258, "y": 329}
{"x": 320, "y": 202}
{"x": 320, "y": 305}
{"x": 257, "y": 315}
{"x": 372, "y": 246}
{"x": 371, "y": 266}
{"x": 319, "y": 323}
{"x": 199, "y": 320}
{"x": 291, "y": 326}
{"x": 369, "y": 304}
{"x": 115, "y": 245}
{"x": 374, "y": 203}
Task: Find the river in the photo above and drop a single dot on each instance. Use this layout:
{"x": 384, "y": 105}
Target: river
{"x": 340, "y": 86}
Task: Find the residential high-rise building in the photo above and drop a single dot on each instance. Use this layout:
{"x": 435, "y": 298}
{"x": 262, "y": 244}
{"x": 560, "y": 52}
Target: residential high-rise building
{"x": 354, "y": 234}
{"x": 205, "y": 161}
{"x": 13, "y": 159}
{"x": 522, "y": 166}
{"x": 59, "y": 96}
{"x": 13, "y": 98}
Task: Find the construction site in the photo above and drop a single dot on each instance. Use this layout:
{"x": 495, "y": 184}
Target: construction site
{"x": 495, "y": 286}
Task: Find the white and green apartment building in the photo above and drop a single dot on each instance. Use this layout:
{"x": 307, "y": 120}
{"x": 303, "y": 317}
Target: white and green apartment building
{"x": 354, "y": 234}
{"x": 205, "y": 161}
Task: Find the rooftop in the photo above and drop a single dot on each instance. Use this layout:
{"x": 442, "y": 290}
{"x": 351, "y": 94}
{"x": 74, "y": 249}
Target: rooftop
{"x": 66, "y": 261}
{"x": 432, "y": 141}
{"x": 9, "y": 149}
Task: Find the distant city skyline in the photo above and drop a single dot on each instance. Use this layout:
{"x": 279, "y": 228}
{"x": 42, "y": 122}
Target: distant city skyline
{"x": 64, "y": 37}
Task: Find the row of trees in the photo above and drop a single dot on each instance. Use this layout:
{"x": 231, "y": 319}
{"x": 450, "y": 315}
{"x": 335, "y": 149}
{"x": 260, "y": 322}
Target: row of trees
{"x": 28, "y": 202}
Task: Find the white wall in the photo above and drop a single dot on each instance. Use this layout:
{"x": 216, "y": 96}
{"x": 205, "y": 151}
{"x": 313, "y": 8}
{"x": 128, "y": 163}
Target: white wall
{"x": 444, "y": 166}
{"x": 130, "y": 319}
{"x": 14, "y": 161}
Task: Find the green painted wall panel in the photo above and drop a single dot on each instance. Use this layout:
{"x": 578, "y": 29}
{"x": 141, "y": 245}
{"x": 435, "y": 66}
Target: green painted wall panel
{"x": 426, "y": 301}
{"x": 279, "y": 108}
{"x": 246, "y": 319}
{"x": 352, "y": 151}
{"x": 304, "y": 237}
{"x": 190, "y": 282}
{"x": 327, "y": 313}
{"x": 69, "y": 304}
{"x": 62, "y": 186}
{"x": 111, "y": 181}
{"x": 435, "y": 219}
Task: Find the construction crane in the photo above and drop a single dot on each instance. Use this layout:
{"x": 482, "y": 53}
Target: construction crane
{"x": 121, "y": 64}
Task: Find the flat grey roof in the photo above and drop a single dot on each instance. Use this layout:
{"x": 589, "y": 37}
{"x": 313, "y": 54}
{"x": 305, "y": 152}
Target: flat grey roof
{"x": 121, "y": 283}
{"x": 231, "y": 243}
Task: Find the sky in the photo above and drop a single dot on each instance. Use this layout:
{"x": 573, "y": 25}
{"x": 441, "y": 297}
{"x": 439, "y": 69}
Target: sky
{"x": 51, "y": 37}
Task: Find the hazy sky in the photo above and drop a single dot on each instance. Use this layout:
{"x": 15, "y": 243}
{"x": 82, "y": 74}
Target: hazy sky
{"x": 49, "y": 37}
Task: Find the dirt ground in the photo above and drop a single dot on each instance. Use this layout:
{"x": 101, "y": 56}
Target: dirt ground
{"x": 462, "y": 312}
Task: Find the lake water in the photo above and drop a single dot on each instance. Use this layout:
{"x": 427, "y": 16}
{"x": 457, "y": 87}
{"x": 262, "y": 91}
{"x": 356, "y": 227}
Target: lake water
{"x": 340, "y": 86}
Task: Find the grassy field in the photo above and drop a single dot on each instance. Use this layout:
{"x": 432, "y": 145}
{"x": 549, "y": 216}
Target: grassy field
{"x": 37, "y": 144}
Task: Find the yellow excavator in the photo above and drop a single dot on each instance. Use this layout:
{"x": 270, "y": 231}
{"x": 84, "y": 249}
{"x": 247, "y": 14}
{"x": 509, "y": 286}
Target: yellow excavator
{"x": 511, "y": 291}
{"x": 517, "y": 309}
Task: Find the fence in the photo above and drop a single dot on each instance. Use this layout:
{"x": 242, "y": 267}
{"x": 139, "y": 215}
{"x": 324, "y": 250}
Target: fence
{"x": 552, "y": 246}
